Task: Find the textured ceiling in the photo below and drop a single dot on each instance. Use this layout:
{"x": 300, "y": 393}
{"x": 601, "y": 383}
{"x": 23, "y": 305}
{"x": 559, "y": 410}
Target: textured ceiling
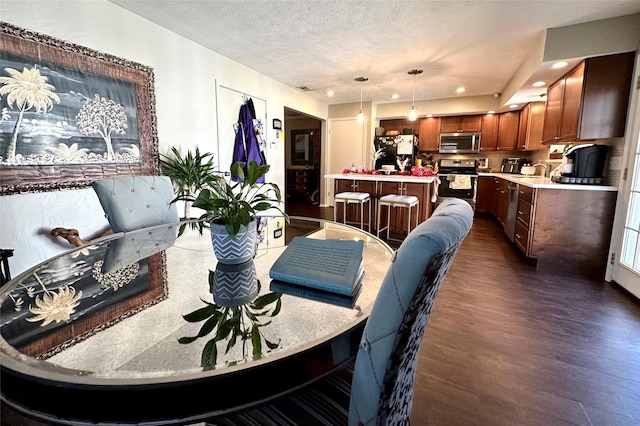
{"x": 324, "y": 45}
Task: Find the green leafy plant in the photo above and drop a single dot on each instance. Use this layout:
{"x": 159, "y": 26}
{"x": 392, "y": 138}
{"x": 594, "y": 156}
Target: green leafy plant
{"x": 236, "y": 204}
{"x": 189, "y": 172}
{"x": 240, "y": 323}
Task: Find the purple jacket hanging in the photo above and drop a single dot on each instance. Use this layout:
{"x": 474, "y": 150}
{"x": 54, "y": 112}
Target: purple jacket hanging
{"x": 246, "y": 148}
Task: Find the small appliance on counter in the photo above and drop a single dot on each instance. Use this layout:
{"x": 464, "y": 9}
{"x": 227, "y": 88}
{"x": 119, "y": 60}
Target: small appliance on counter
{"x": 483, "y": 165}
{"x": 512, "y": 165}
{"x": 583, "y": 165}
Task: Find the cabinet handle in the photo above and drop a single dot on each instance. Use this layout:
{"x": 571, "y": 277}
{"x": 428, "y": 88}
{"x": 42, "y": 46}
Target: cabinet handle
{"x": 518, "y": 236}
{"x": 519, "y": 212}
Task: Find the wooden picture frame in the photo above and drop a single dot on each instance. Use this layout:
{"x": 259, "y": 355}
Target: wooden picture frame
{"x": 56, "y": 141}
{"x": 301, "y": 148}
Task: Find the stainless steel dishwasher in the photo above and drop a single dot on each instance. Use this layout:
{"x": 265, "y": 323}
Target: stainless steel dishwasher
{"x": 512, "y": 210}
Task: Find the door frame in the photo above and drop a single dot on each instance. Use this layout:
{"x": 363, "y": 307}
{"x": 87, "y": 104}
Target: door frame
{"x": 616, "y": 272}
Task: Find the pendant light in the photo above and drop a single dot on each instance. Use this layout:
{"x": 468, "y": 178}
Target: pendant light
{"x": 361, "y": 113}
{"x": 413, "y": 111}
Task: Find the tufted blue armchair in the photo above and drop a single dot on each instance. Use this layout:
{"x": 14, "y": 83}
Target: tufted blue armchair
{"x": 378, "y": 388}
{"x": 134, "y": 202}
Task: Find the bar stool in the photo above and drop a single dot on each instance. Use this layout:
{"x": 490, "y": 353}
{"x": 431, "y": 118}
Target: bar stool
{"x": 401, "y": 201}
{"x": 352, "y": 198}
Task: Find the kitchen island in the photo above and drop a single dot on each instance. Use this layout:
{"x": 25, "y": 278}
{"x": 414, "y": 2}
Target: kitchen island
{"x": 377, "y": 185}
{"x": 562, "y": 227}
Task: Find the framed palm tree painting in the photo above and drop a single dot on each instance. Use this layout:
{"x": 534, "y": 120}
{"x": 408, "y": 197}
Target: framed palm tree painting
{"x": 70, "y": 115}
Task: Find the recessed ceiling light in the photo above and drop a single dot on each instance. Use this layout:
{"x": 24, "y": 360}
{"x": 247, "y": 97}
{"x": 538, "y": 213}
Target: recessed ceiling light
{"x": 491, "y": 112}
{"x": 395, "y": 96}
{"x": 513, "y": 106}
{"x": 460, "y": 90}
{"x": 539, "y": 84}
{"x": 330, "y": 93}
{"x": 560, "y": 64}
{"x": 429, "y": 115}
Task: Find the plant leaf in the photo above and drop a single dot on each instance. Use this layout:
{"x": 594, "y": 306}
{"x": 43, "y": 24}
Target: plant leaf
{"x": 209, "y": 325}
{"x": 272, "y": 345}
{"x": 185, "y": 340}
{"x": 200, "y": 314}
{"x": 209, "y": 355}
{"x": 256, "y": 341}
{"x": 265, "y": 299}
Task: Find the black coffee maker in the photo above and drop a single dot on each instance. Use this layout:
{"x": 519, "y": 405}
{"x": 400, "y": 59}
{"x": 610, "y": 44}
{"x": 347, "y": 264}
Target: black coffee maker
{"x": 588, "y": 163}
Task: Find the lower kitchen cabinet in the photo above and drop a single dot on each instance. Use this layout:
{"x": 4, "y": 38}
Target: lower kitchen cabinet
{"x": 501, "y": 200}
{"x": 353, "y": 210}
{"x": 486, "y": 194}
{"x": 398, "y": 221}
{"x": 379, "y": 188}
{"x": 562, "y": 230}
{"x": 523, "y": 217}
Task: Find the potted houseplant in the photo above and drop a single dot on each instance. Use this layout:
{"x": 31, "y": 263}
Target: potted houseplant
{"x": 189, "y": 173}
{"x": 231, "y": 209}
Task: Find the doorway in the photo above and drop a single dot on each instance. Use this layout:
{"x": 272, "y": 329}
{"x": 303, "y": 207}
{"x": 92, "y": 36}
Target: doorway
{"x": 303, "y": 159}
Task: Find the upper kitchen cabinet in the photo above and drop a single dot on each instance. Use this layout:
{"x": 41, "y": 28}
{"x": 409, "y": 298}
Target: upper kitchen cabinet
{"x": 489, "y": 133}
{"x": 508, "y": 131}
{"x": 461, "y": 124}
{"x": 590, "y": 101}
{"x": 429, "y": 134}
{"x": 531, "y": 125}
{"x": 399, "y": 124}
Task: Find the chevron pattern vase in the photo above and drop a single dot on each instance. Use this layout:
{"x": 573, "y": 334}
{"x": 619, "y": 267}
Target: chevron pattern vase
{"x": 230, "y": 250}
{"x": 235, "y": 285}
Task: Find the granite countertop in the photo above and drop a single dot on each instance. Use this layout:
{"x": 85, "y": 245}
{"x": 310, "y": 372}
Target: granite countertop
{"x": 543, "y": 182}
{"x": 382, "y": 177}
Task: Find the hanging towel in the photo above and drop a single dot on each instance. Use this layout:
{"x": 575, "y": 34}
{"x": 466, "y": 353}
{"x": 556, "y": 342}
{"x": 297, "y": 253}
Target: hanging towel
{"x": 460, "y": 182}
{"x": 246, "y": 148}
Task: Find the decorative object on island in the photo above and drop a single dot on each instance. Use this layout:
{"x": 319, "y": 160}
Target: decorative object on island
{"x": 361, "y": 112}
{"x": 242, "y": 322}
{"x": 413, "y": 112}
{"x": 231, "y": 209}
{"x": 188, "y": 172}
{"x": 322, "y": 266}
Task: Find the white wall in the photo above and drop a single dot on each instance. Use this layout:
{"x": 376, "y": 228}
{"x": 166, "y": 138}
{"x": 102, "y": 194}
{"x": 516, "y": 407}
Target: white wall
{"x": 186, "y": 75}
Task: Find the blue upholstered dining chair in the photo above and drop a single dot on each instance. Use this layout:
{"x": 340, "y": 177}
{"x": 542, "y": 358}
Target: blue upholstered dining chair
{"x": 134, "y": 202}
{"x": 378, "y": 389}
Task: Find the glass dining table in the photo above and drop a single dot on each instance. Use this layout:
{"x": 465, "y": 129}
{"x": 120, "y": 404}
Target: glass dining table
{"x": 126, "y": 330}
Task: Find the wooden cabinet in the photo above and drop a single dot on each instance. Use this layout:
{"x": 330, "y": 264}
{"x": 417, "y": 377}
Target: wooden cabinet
{"x": 523, "y": 126}
{"x": 566, "y": 230}
{"x": 485, "y": 198}
{"x": 399, "y": 124}
{"x": 301, "y": 183}
{"x": 461, "y": 124}
{"x": 523, "y": 218}
{"x": 398, "y": 219}
{"x": 531, "y": 125}
{"x": 353, "y": 210}
{"x": 489, "y": 132}
{"x": 508, "y": 131}
{"x": 501, "y": 200}
{"x": 429, "y": 134}
{"x": 590, "y": 101}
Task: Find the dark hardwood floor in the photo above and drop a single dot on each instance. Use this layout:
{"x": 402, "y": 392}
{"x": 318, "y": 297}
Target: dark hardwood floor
{"x": 508, "y": 345}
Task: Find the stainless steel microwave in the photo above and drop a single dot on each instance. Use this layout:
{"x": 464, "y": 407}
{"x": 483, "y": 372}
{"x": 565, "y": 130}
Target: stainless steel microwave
{"x": 459, "y": 143}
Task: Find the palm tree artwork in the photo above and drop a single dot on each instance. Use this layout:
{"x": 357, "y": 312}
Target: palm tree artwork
{"x": 27, "y": 89}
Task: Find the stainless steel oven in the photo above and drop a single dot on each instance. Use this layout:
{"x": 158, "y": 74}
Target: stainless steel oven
{"x": 458, "y": 179}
